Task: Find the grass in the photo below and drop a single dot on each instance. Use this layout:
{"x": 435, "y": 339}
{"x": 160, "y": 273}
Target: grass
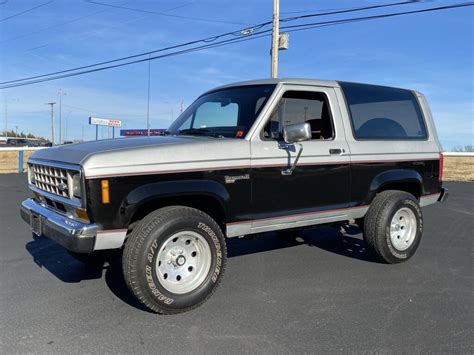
{"x": 9, "y": 161}
{"x": 458, "y": 169}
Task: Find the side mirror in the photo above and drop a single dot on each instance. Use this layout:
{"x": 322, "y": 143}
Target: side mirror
{"x": 297, "y": 133}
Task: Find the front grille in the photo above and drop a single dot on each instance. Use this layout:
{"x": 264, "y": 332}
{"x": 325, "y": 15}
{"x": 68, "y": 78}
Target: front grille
{"x": 50, "y": 179}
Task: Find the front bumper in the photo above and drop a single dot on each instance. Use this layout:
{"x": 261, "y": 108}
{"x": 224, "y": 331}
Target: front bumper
{"x": 71, "y": 234}
{"x": 444, "y": 195}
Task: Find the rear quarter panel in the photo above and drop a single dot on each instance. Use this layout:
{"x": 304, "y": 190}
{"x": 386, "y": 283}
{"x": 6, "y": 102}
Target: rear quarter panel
{"x": 370, "y": 158}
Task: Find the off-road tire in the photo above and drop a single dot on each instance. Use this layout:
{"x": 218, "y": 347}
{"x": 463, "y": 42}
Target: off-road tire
{"x": 377, "y": 224}
{"x": 144, "y": 244}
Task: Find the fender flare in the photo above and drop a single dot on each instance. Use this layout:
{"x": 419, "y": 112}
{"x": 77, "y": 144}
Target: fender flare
{"x": 395, "y": 176}
{"x": 143, "y": 194}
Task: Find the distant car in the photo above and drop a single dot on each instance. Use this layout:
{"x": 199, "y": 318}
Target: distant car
{"x": 33, "y": 143}
{"x": 244, "y": 158}
{"x": 17, "y": 142}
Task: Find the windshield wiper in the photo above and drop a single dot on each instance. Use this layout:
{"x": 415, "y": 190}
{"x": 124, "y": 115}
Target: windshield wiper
{"x": 199, "y": 132}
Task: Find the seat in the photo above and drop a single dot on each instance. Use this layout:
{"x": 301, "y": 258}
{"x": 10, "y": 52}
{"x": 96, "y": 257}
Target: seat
{"x": 321, "y": 127}
{"x": 315, "y": 128}
{"x": 381, "y": 127}
{"x": 326, "y": 127}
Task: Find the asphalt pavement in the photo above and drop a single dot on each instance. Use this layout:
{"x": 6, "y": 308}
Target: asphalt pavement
{"x": 315, "y": 291}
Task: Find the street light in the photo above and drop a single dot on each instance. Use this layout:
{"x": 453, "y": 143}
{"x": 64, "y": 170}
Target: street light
{"x": 61, "y": 94}
{"x": 67, "y": 125}
{"x": 171, "y": 108}
{"x": 52, "y": 120}
{"x": 6, "y": 114}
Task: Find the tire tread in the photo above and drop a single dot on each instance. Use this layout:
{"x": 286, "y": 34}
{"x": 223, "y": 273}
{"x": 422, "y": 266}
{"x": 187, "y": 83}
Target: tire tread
{"x": 135, "y": 241}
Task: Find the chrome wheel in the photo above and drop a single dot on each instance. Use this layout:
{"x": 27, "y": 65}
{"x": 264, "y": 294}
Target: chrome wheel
{"x": 183, "y": 262}
{"x": 403, "y": 229}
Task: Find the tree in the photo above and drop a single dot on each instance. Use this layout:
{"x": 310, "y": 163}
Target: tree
{"x": 12, "y": 133}
{"x": 466, "y": 148}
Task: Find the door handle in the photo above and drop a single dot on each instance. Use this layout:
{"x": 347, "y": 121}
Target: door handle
{"x": 336, "y": 151}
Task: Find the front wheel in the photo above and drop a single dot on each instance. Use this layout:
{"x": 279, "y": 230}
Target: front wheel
{"x": 174, "y": 259}
{"x": 393, "y": 226}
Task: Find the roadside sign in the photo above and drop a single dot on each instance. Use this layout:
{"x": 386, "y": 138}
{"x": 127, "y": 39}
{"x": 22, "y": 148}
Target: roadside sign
{"x": 141, "y": 132}
{"x": 105, "y": 122}
{"x": 109, "y": 122}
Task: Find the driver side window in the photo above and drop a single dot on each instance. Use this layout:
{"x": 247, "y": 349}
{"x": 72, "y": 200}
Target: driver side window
{"x": 300, "y": 107}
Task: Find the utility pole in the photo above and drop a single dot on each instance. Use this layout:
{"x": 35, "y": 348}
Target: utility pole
{"x": 6, "y": 119}
{"x": 148, "y": 101}
{"x": 61, "y": 93}
{"x": 6, "y": 115}
{"x": 181, "y": 109}
{"x": 52, "y": 120}
{"x": 67, "y": 125}
{"x": 275, "y": 38}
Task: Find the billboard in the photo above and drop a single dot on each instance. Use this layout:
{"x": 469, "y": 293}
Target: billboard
{"x": 141, "y": 132}
{"x": 105, "y": 122}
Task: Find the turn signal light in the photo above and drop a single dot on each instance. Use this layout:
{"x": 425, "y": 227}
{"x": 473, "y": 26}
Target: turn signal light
{"x": 105, "y": 191}
{"x": 82, "y": 214}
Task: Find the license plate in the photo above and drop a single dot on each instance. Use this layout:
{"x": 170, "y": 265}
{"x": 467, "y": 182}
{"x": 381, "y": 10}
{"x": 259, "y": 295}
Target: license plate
{"x": 35, "y": 223}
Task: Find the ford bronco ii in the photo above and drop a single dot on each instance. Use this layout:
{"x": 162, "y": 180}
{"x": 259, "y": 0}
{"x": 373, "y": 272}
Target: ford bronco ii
{"x": 244, "y": 158}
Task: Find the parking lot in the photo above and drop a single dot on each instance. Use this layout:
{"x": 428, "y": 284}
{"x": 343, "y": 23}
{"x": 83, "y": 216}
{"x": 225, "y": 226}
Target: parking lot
{"x": 312, "y": 291}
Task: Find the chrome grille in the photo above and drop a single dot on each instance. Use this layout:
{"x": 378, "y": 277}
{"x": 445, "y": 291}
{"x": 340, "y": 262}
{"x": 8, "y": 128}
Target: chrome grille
{"x": 50, "y": 179}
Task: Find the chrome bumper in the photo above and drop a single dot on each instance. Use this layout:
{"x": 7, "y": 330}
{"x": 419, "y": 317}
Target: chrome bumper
{"x": 444, "y": 195}
{"x": 73, "y": 235}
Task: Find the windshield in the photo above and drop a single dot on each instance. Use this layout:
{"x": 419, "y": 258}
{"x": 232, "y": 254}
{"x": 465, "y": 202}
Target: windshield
{"x": 223, "y": 113}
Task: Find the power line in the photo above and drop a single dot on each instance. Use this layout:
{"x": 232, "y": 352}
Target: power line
{"x": 165, "y": 14}
{"x": 252, "y": 36}
{"x": 189, "y": 50}
{"x": 206, "y": 40}
{"x": 26, "y": 11}
{"x": 102, "y": 28}
{"x": 62, "y": 24}
{"x": 343, "y": 11}
{"x": 237, "y": 33}
{"x": 366, "y": 18}
{"x": 340, "y": 9}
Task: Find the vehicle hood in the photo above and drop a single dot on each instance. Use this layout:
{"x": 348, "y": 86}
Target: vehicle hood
{"x": 134, "y": 156}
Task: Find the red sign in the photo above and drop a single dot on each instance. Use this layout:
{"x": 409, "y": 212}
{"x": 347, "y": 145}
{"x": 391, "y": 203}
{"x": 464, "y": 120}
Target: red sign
{"x": 141, "y": 132}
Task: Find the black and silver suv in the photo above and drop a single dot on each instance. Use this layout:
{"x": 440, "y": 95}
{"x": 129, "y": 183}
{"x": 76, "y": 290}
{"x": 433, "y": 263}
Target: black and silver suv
{"x": 244, "y": 158}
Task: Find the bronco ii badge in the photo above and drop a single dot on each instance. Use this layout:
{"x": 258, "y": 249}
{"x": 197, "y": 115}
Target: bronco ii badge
{"x": 232, "y": 179}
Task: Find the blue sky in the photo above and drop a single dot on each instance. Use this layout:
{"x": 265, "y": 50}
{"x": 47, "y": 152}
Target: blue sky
{"x": 432, "y": 53}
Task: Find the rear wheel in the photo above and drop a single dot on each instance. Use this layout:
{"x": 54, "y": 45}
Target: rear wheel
{"x": 393, "y": 226}
{"x": 174, "y": 259}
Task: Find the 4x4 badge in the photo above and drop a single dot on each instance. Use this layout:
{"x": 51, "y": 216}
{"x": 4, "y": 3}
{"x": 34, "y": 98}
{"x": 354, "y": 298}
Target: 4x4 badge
{"x": 232, "y": 179}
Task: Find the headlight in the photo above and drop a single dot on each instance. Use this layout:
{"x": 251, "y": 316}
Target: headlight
{"x": 76, "y": 186}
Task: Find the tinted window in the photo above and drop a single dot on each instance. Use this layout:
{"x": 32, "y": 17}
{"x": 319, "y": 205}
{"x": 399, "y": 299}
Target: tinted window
{"x": 228, "y": 112}
{"x": 300, "y": 107}
{"x": 212, "y": 114}
{"x": 379, "y": 112}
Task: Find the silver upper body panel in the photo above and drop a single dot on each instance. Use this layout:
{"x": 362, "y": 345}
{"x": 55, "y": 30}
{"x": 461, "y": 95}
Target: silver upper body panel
{"x": 291, "y": 81}
{"x": 148, "y": 155}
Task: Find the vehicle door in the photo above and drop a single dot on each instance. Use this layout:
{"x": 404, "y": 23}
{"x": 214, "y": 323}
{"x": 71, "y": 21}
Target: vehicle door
{"x": 317, "y": 190}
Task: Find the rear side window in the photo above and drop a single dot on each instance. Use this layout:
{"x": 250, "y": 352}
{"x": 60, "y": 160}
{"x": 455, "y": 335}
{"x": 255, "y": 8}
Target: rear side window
{"x": 379, "y": 112}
